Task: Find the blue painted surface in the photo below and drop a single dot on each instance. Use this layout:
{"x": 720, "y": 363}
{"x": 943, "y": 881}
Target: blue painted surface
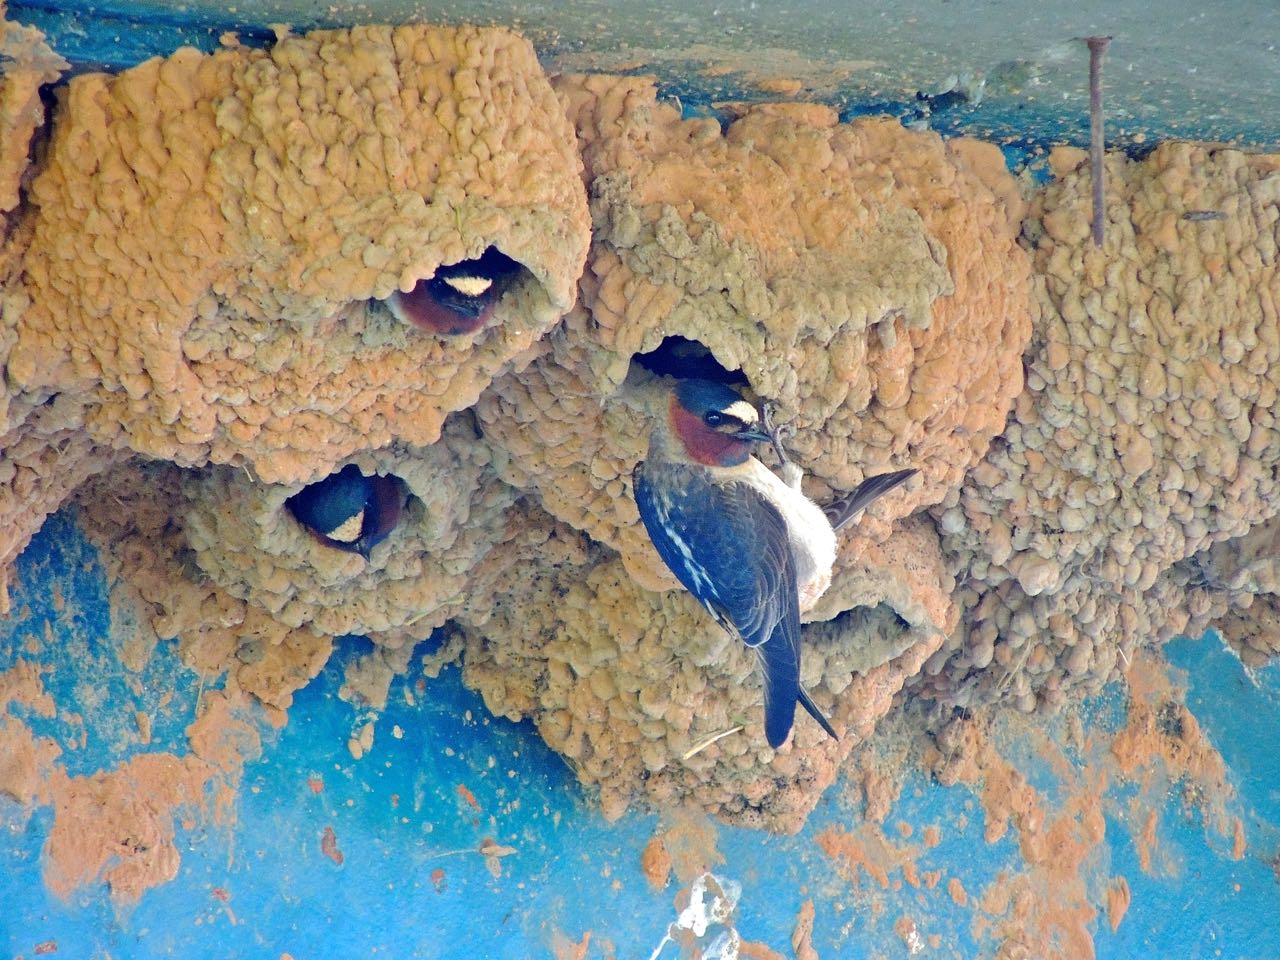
{"x": 61, "y": 593}
{"x": 262, "y": 886}
{"x": 1199, "y": 912}
{"x": 1239, "y": 710}
{"x": 110, "y": 36}
{"x": 397, "y": 814}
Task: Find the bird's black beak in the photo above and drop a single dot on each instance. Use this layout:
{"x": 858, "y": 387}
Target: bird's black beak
{"x": 753, "y": 435}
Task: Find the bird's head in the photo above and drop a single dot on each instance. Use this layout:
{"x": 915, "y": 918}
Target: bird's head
{"x": 716, "y": 427}
{"x": 460, "y": 297}
{"x": 348, "y": 510}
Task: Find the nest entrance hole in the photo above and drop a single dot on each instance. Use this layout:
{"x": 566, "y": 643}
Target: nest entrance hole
{"x": 687, "y": 359}
{"x": 459, "y": 298}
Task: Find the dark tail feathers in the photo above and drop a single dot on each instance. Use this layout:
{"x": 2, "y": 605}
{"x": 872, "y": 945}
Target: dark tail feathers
{"x": 806, "y": 701}
{"x": 781, "y": 663}
{"x": 845, "y": 508}
{"x": 782, "y": 691}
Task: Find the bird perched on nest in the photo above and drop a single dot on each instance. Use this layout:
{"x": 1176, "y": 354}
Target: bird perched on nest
{"x": 750, "y": 546}
{"x": 349, "y": 511}
{"x": 459, "y": 298}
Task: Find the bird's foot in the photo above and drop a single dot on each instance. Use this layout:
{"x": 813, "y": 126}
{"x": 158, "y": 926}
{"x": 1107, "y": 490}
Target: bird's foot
{"x": 791, "y": 474}
{"x": 776, "y": 432}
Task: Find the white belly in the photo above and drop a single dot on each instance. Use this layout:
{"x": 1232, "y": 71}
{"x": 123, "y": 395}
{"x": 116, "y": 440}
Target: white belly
{"x": 813, "y": 542}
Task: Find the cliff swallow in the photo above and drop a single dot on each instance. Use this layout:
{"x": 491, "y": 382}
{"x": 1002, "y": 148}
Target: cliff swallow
{"x": 459, "y": 298}
{"x": 349, "y": 511}
{"x": 743, "y": 541}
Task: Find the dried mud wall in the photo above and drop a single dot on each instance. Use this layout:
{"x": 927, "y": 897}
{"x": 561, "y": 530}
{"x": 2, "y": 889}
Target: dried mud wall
{"x": 1143, "y": 453}
{"x": 195, "y": 328}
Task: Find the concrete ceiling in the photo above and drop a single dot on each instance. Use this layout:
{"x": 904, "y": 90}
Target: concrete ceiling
{"x": 1174, "y": 69}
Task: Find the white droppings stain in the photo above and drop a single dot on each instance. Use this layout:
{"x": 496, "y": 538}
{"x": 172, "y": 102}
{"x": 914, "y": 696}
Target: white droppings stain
{"x": 915, "y": 943}
{"x": 712, "y": 901}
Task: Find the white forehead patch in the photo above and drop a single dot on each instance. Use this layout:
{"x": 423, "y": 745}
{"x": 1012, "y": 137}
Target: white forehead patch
{"x": 743, "y": 411}
{"x": 349, "y": 530}
{"x": 469, "y": 286}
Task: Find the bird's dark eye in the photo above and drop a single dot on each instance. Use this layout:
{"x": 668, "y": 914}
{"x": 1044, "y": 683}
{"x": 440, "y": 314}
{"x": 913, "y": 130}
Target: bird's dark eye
{"x": 713, "y": 418}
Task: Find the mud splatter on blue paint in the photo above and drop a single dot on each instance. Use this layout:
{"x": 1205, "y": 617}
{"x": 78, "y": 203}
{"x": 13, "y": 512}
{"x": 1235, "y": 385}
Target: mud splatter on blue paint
{"x": 263, "y": 885}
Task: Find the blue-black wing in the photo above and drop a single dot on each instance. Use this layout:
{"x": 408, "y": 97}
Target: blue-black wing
{"x": 728, "y": 545}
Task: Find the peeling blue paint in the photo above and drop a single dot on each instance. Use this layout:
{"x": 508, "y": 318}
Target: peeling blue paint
{"x": 263, "y": 885}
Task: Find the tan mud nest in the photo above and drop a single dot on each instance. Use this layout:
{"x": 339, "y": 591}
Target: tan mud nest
{"x": 848, "y": 271}
{"x": 1146, "y": 435}
{"x": 1235, "y": 585}
{"x": 133, "y": 513}
{"x": 246, "y": 540}
{"x": 28, "y": 63}
{"x": 42, "y": 462}
{"x": 650, "y": 702}
{"x": 199, "y": 276}
{"x": 213, "y": 236}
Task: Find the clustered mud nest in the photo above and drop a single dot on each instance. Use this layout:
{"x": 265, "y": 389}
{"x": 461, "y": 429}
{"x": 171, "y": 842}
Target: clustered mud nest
{"x": 206, "y": 266}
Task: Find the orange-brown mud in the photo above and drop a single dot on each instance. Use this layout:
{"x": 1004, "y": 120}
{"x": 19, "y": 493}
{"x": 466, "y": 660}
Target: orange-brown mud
{"x": 1049, "y": 901}
{"x": 1118, "y": 899}
{"x": 866, "y": 850}
{"x": 329, "y": 846}
{"x": 118, "y": 826}
{"x": 563, "y": 948}
{"x": 689, "y": 839}
{"x": 751, "y": 950}
{"x": 962, "y": 310}
{"x": 802, "y": 936}
{"x": 655, "y": 863}
{"x": 25, "y": 762}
